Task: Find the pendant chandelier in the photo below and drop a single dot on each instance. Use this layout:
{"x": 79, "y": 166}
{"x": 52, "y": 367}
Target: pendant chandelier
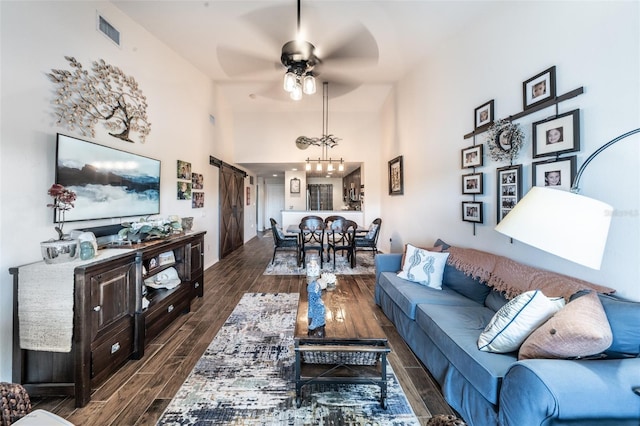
{"x": 325, "y": 142}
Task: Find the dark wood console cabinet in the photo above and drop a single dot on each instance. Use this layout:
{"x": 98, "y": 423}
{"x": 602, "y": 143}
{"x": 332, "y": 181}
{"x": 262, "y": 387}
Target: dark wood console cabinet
{"x": 110, "y": 325}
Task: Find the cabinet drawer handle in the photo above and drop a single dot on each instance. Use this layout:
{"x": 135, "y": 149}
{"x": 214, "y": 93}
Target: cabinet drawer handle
{"x": 170, "y": 308}
{"x": 115, "y": 347}
{"x": 97, "y": 308}
{"x": 196, "y": 285}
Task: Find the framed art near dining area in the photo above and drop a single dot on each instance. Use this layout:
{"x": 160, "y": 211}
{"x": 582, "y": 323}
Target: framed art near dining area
{"x": 557, "y": 135}
{"x": 557, "y": 174}
{"x": 396, "y": 179}
{"x": 540, "y": 88}
{"x": 509, "y": 180}
{"x": 472, "y": 211}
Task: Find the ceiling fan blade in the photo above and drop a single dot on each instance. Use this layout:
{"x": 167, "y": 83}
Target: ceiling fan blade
{"x": 339, "y": 86}
{"x": 277, "y": 24}
{"x": 355, "y": 44}
{"x": 236, "y": 63}
{"x": 276, "y": 92}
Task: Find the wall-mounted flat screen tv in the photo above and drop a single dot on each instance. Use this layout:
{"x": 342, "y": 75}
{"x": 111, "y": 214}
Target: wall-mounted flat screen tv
{"x": 109, "y": 183}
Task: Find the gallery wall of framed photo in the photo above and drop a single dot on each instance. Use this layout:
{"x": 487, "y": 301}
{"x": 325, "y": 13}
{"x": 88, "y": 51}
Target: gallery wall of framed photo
{"x": 190, "y": 185}
{"x": 552, "y": 159}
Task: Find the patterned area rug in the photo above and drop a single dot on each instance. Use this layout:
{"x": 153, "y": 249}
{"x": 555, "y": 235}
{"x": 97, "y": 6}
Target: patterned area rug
{"x": 286, "y": 264}
{"x": 246, "y": 375}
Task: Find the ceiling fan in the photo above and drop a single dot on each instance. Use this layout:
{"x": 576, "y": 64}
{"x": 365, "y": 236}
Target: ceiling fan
{"x": 301, "y": 62}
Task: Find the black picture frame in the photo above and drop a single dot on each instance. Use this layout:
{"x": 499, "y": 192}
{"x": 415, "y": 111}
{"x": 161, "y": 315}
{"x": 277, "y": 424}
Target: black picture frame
{"x": 472, "y": 183}
{"x": 483, "y": 116}
{"x": 557, "y": 174}
{"x": 539, "y": 88}
{"x": 396, "y": 176}
{"x": 472, "y": 211}
{"x": 557, "y": 135}
{"x": 294, "y": 186}
{"x": 509, "y": 189}
{"x": 472, "y": 156}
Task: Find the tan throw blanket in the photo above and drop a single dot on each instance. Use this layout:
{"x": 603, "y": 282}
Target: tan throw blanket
{"x": 45, "y": 303}
{"x": 513, "y": 278}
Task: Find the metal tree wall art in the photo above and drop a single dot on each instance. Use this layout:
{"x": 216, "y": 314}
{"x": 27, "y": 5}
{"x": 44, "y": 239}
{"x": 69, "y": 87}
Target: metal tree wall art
{"x": 107, "y": 94}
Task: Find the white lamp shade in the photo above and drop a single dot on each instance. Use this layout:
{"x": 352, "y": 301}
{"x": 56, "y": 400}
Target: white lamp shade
{"x": 562, "y": 223}
{"x": 296, "y": 92}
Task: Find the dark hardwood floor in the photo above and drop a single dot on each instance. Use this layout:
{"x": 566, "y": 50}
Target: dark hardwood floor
{"x": 138, "y": 393}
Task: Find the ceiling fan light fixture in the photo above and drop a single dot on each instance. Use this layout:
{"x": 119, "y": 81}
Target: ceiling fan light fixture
{"x": 309, "y": 84}
{"x": 290, "y": 79}
{"x": 296, "y": 93}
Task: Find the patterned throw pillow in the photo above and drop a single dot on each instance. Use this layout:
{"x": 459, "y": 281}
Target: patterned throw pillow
{"x": 580, "y": 329}
{"x": 372, "y": 231}
{"x": 423, "y": 267}
{"x": 511, "y": 325}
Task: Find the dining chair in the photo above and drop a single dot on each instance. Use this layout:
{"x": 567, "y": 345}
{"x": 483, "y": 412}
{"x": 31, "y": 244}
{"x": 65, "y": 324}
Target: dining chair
{"x": 283, "y": 242}
{"x": 328, "y": 222}
{"x": 369, "y": 241}
{"x": 311, "y": 238}
{"x": 341, "y": 237}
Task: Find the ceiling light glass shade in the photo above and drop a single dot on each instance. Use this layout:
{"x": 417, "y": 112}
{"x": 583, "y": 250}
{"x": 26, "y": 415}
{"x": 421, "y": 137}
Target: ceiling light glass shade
{"x": 319, "y": 167}
{"x": 289, "y": 81}
{"x": 307, "y": 167}
{"x": 309, "y": 84}
{"x": 562, "y": 223}
{"x": 341, "y": 167}
{"x": 330, "y": 167}
{"x": 296, "y": 93}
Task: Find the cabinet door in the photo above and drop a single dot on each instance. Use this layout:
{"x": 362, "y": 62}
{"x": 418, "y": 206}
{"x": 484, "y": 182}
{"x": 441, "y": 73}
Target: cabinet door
{"x": 112, "y": 296}
{"x": 196, "y": 258}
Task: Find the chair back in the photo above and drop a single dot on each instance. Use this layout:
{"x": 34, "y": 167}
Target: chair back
{"x": 371, "y": 237}
{"x": 311, "y": 231}
{"x": 341, "y": 233}
{"x": 278, "y": 236}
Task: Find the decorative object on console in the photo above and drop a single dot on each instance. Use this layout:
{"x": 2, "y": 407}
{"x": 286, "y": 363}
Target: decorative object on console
{"x": 556, "y": 221}
{"x": 63, "y": 200}
{"x": 509, "y": 189}
{"x": 483, "y": 116}
{"x": 64, "y": 249}
{"x": 88, "y": 245}
{"x": 472, "y": 156}
{"x": 396, "y": 176}
{"x": 539, "y": 88}
{"x": 557, "y": 135}
{"x": 187, "y": 223}
{"x": 556, "y": 174}
{"x": 505, "y": 139}
{"x": 146, "y": 229}
{"x": 108, "y": 95}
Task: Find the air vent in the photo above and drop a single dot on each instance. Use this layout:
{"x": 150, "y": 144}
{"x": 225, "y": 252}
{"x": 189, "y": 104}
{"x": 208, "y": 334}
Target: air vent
{"x": 109, "y": 30}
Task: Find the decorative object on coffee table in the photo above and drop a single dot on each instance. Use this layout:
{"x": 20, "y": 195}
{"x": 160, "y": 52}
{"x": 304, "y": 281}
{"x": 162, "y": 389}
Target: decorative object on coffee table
{"x": 316, "y": 310}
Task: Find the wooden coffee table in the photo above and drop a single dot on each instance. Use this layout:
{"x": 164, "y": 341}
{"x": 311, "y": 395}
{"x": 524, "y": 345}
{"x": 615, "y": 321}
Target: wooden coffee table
{"x": 354, "y": 347}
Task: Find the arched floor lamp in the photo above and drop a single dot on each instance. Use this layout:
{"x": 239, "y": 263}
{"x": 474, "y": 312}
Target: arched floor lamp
{"x": 563, "y": 223}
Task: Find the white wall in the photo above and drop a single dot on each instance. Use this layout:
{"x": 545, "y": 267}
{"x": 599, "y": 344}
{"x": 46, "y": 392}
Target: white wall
{"x": 35, "y": 37}
{"x": 592, "y": 44}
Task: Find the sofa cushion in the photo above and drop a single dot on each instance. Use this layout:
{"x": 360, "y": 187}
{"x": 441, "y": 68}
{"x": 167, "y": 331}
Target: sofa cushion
{"x": 423, "y": 267}
{"x": 407, "y": 295}
{"x": 579, "y": 329}
{"x": 495, "y": 300}
{"x": 464, "y": 284}
{"x": 511, "y": 325}
{"x": 624, "y": 317}
{"x": 455, "y": 332}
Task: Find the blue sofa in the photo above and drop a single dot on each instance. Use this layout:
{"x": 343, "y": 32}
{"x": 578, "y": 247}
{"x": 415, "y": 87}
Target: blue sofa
{"x": 442, "y": 328}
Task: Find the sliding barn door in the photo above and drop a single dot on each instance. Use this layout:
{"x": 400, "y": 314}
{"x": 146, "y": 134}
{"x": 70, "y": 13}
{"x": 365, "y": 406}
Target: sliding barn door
{"x": 231, "y": 210}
